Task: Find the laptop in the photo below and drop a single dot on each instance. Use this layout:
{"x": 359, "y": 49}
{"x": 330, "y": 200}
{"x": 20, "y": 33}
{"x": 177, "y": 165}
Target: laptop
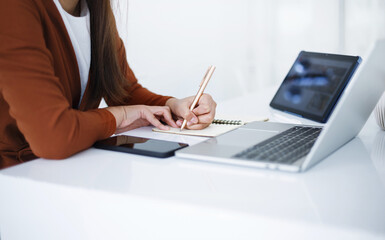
{"x": 319, "y": 87}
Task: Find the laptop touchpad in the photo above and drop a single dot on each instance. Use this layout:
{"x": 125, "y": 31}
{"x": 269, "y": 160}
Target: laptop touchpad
{"x": 244, "y": 137}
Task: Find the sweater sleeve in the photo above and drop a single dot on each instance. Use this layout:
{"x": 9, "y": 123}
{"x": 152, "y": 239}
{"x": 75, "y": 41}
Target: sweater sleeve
{"x": 36, "y": 98}
{"x": 137, "y": 94}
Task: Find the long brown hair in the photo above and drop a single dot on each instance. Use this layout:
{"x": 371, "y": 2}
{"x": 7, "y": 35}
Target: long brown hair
{"x": 106, "y": 71}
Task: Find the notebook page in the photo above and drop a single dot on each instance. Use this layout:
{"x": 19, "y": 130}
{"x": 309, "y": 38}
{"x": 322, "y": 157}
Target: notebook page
{"x": 212, "y": 130}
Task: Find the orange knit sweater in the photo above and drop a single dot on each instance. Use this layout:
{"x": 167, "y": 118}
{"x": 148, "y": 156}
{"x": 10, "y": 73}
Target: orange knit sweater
{"x": 40, "y": 87}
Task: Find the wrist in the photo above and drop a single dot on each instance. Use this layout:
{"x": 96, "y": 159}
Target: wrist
{"x": 118, "y": 114}
{"x": 171, "y": 103}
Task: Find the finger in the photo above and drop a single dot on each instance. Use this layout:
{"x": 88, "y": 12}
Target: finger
{"x": 202, "y": 109}
{"x": 179, "y": 123}
{"x": 170, "y": 123}
{"x": 191, "y": 118}
{"x": 149, "y": 116}
{"x": 168, "y": 117}
{"x": 204, "y": 121}
{"x": 184, "y": 110}
{"x": 206, "y": 105}
{"x": 165, "y": 114}
{"x": 206, "y": 118}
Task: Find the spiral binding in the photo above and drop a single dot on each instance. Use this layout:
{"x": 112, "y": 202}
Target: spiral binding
{"x": 227, "y": 122}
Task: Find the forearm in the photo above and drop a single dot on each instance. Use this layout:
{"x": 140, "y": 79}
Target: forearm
{"x": 68, "y": 133}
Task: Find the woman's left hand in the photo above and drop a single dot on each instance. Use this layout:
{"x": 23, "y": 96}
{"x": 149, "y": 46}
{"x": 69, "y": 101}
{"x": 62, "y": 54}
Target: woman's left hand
{"x": 200, "y": 117}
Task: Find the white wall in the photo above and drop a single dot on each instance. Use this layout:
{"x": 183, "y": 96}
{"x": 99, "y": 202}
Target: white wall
{"x": 252, "y": 43}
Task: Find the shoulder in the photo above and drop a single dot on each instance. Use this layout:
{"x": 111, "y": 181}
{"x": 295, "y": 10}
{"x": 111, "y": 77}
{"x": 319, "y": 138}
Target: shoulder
{"x": 7, "y": 7}
{"x": 14, "y": 12}
{"x": 24, "y": 19}
{"x": 21, "y": 9}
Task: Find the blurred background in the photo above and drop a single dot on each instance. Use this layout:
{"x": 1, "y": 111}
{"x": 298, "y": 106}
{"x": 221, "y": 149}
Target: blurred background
{"x": 253, "y": 43}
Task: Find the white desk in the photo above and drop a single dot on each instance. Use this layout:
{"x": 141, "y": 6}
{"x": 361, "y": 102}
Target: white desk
{"x": 100, "y": 194}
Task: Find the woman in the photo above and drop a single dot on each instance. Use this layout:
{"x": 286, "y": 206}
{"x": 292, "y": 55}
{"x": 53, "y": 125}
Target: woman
{"x": 58, "y": 59}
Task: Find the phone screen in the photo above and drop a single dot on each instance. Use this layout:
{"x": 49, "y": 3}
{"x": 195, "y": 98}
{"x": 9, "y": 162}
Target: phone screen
{"x": 142, "y": 146}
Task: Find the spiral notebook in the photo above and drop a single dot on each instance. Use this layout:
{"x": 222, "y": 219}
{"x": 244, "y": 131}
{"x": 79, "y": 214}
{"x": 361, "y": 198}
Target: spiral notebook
{"x": 216, "y": 128}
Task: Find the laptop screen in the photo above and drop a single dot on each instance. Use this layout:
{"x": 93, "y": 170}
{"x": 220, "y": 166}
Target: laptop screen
{"x": 314, "y": 84}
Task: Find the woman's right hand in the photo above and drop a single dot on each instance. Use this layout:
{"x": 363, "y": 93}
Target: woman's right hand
{"x": 135, "y": 116}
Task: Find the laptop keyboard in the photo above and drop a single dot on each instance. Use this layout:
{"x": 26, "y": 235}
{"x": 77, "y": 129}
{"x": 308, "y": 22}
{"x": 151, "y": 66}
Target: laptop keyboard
{"x": 286, "y": 147}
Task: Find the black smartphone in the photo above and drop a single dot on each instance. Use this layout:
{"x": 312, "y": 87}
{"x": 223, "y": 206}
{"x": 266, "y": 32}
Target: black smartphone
{"x": 142, "y": 146}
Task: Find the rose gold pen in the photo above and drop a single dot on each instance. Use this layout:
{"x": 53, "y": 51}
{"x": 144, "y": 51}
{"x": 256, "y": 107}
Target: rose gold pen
{"x": 202, "y": 87}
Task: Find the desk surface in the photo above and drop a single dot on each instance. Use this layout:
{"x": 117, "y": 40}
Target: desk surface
{"x": 100, "y": 194}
